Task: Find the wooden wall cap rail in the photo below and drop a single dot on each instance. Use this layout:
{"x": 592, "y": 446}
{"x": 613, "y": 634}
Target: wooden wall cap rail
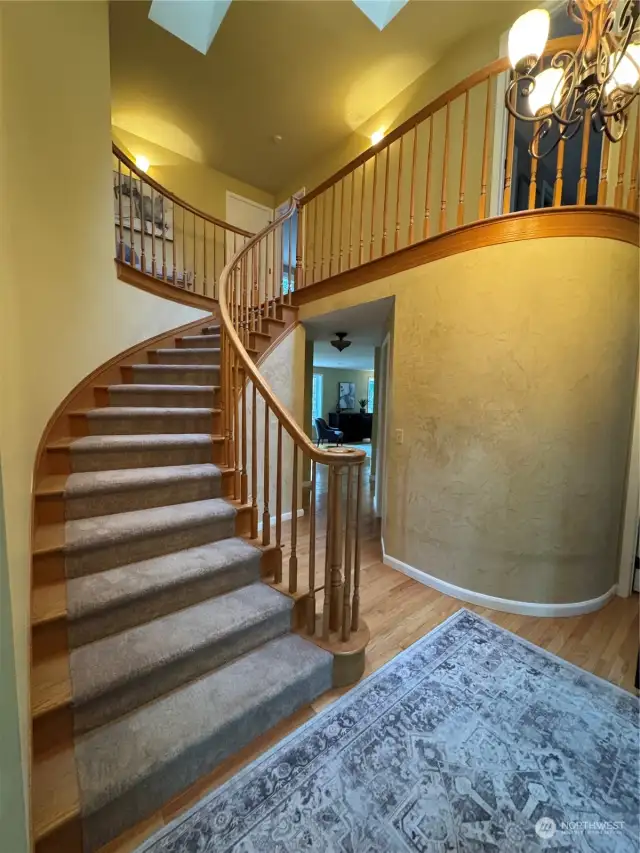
{"x": 575, "y": 221}
{"x": 165, "y": 289}
{"x": 336, "y": 456}
{"x": 174, "y": 198}
{"x": 495, "y": 67}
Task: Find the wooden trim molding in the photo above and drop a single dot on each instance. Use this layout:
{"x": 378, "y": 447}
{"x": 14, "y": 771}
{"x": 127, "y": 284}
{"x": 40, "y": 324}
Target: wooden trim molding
{"x": 607, "y": 222}
{"x": 165, "y": 289}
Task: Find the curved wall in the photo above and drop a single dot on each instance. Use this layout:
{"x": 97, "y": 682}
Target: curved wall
{"x": 513, "y": 379}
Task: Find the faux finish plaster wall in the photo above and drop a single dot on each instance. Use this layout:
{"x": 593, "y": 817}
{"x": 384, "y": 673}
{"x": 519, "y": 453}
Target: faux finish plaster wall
{"x": 513, "y": 370}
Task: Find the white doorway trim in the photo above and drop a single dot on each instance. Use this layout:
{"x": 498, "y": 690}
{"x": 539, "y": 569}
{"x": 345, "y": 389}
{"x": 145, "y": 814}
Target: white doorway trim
{"x": 631, "y": 508}
{"x": 379, "y": 495}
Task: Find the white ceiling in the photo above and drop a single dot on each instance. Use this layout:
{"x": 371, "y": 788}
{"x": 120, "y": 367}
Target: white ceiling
{"x": 365, "y": 326}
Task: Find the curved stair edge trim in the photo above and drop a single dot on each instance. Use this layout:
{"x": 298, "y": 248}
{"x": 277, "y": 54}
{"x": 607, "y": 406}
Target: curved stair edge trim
{"x": 569, "y": 221}
{"x": 143, "y": 281}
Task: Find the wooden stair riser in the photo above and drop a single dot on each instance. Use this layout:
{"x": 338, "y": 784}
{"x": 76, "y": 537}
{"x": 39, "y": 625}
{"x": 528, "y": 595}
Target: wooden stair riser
{"x": 272, "y": 326}
{"x": 259, "y": 341}
{"x": 64, "y": 839}
{"x": 52, "y": 730}
{"x": 288, "y": 313}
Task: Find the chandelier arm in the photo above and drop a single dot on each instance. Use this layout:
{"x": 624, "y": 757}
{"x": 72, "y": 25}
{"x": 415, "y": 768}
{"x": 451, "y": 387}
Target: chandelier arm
{"x": 615, "y": 44}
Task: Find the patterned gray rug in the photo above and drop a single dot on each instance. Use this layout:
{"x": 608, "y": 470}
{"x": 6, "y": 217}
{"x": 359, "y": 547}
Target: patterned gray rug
{"x": 471, "y": 741}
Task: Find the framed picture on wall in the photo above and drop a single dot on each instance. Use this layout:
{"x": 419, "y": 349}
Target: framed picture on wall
{"x": 347, "y": 395}
{"x": 129, "y": 196}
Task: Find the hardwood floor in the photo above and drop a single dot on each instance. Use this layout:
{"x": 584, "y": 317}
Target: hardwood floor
{"x": 400, "y": 611}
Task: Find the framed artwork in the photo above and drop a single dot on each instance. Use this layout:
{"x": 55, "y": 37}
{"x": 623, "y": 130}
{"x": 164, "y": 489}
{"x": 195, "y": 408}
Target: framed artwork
{"x": 347, "y": 395}
{"x": 133, "y": 196}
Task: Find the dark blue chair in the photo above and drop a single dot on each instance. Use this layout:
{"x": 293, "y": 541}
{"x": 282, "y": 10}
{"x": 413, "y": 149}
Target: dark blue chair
{"x": 327, "y": 433}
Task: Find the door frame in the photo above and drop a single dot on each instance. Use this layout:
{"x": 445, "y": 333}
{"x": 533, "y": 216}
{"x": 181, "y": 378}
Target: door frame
{"x": 379, "y": 494}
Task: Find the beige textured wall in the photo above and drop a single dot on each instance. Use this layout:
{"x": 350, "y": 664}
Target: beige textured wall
{"x": 512, "y": 377}
{"x": 62, "y": 310}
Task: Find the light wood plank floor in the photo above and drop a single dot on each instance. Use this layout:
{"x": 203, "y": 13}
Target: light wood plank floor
{"x": 400, "y": 611}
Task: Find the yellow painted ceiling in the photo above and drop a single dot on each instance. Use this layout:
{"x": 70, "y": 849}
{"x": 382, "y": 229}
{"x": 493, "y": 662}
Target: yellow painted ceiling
{"x": 311, "y": 71}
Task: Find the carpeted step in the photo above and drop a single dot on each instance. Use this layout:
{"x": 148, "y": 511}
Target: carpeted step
{"x": 128, "y": 768}
{"x": 125, "y": 489}
{"x": 199, "y": 341}
{"x": 212, "y": 330}
{"x": 138, "y": 420}
{"x": 176, "y": 374}
{"x": 118, "y": 674}
{"x": 192, "y": 355}
{"x": 108, "y": 541}
{"x": 110, "y": 452}
{"x": 190, "y": 396}
{"x": 102, "y": 604}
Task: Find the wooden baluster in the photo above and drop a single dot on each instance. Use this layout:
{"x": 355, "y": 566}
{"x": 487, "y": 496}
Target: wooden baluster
{"x": 373, "y": 203}
{"x": 236, "y": 420}
{"x": 445, "y": 169}
{"x": 335, "y": 521}
{"x": 266, "y": 515}
{"x": 603, "y": 183}
{"x": 384, "y": 201}
{"x": 340, "y": 224}
{"x": 184, "y": 249}
{"x": 622, "y": 160}
{"x": 255, "y": 295}
{"x": 353, "y": 178}
{"x": 412, "y": 195}
{"x": 309, "y": 237}
{"x": 508, "y": 170}
{"x": 195, "y": 250}
{"x": 311, "y": 600}
{"x": 120, "y": 227}
{"x": 272, "y": 312}
{"x": 292, "y": 258}
{"x": 426, "y": 223}
{"x": 254, "y": 463}
{"x": 293, "y": 558}
{"x": 533, "y": 178}
{"x": 324, "y": 219}
{"x": 331, "y": 227}
{"x": 143, "y": 230}
{"x": 396, "y": 239}
{"x": 282, "y": 263}
{"x": 153, "y": 236}
{"x": 362, "y": 189}
{"x": 584, "y": 154}
{"x": 132, "y": 232}
{"x": 278, "y": 573}
{"x": 204, "y": 258}
{"x": 346, "y": 598}
{"x": 224, "y": 391}
{"x": 215, "y": 275}
{"x": 355, "y": 609}
{"x": 244, "y": 479}
{"x": 317, "y": 246}
{"x": 482, "y": 208}
{"x": 559, "y": 181}
{"x": 174, "y": 250}
{"x": 632, "y": 198}
{"x": 326, "y": 605}
{"x": 463, "y": 161}
{"x": 164, "y": 238}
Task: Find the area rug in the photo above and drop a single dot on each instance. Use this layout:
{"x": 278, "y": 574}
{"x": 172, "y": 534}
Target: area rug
{"x": 470, "y": 741}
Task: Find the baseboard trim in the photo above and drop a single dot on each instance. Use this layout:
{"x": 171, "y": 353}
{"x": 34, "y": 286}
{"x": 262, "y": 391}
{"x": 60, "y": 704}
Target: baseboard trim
{"x": 522, "y": 608}
{"x": 286, "y": 516}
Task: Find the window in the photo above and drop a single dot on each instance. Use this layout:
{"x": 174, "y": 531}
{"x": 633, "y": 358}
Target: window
{"x": 370, "y": 391}
{"x": 316, "y": 397}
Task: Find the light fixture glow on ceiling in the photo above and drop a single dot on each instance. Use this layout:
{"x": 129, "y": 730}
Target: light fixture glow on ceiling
{"x": 142, "y": 163}
{"x": 380, "y": 12}
{"x": 377, "y": 136}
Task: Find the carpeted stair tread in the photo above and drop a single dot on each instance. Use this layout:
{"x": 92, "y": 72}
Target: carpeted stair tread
{"x": 91, "y": 443}
{"x": 129, "y": 767}
{"x": 117, "y": 674}
{"x": 111, "y": 452}
{"x": 87, "y": 533}
{"x": 86, "y": 483}
{"x": 194, "y": 350}
{"x": 147, "y": 411}
{"x": 105, "y": 602}
{"x": 150, "y": 388}
{"x": 178, "y": 374}
{"x": 199, "y": 341}
{"x": 119, "y": 420}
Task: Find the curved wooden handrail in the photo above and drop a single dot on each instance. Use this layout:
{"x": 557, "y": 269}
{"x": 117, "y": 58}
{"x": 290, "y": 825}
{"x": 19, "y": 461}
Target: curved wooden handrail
{"x": 337, "y": 456}
{"x": 172, "y": 197}
{"x": 480, "y": 76}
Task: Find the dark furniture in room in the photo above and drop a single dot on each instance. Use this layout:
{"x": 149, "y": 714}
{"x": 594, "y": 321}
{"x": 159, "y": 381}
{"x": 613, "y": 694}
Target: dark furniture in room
{"x": 326, "y": 433}
{"x": 354, "y": 426}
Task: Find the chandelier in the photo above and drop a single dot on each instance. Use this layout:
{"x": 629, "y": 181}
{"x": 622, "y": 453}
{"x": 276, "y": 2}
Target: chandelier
{"x": 597, "y": 83}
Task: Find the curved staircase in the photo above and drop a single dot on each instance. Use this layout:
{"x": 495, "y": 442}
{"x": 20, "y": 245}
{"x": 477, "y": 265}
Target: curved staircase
{"x": 157, "y": 649}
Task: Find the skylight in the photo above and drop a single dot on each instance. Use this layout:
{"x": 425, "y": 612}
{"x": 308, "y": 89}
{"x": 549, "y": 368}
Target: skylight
{"x": 380, "y": 12}
{"x": 193, "y": 21}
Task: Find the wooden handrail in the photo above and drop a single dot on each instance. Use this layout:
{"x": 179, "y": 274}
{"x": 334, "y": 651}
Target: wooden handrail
{"x": 336, "y": 456}
{"x": 495, "y": 67}
{"x": 174, "y": 198}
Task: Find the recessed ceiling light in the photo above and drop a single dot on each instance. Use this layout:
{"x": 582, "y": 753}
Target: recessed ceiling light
{"x": 377, "y": 136}
{"x": 277, "y": 138}
{"x": 142, "y": 163}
